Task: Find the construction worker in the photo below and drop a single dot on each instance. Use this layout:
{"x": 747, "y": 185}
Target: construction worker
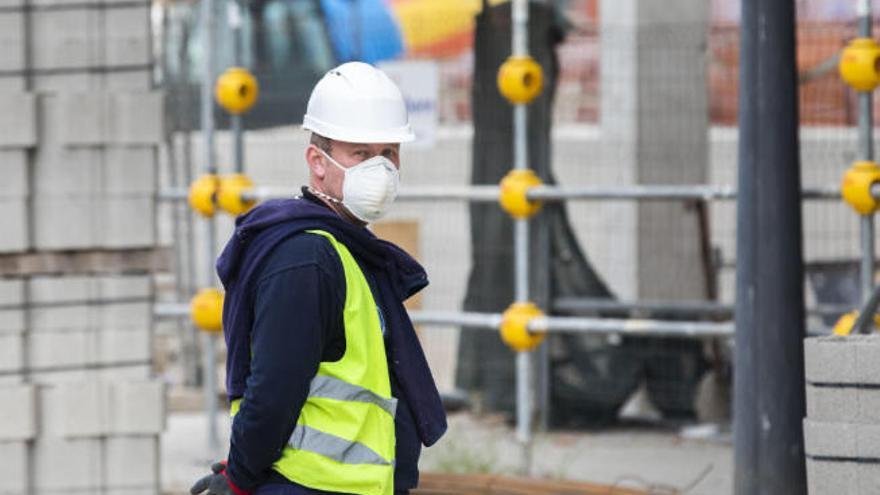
{"x": 328, "y": 384}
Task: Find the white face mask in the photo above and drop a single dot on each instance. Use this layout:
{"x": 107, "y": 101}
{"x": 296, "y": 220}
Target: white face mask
{"x": 369, "y": 187}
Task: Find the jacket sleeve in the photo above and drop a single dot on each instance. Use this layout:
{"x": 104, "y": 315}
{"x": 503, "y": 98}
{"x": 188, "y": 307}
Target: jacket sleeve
{"x": 294, "y": 310}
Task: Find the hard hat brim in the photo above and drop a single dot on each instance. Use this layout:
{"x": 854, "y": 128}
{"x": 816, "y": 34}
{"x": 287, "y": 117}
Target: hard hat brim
{"x": 402, "y": 134}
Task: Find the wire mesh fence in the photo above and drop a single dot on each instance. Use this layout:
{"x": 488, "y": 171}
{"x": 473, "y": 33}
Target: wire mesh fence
{"x": 647, "y": 100}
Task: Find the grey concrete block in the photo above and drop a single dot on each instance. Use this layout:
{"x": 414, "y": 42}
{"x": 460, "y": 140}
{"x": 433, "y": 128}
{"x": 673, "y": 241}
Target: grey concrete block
{"x": 132, "y": 491}
{"x": 137, "y": 117}
{"x": 65, "y": 38}
{"x": 68, "y": 464}
{"x": 11, "y": 353}
{"x": 130, "y": 171}
{"x": 11, "y": 321}
{"x": 53, "y": 83}
{"x": 86, "y": 406}
{"x": 125, "y": 286}
{"x": 12, "y": 40}
{"x": 832, "y": 478}
{"x": 851, "y": 359}
{"x": 848, "y": 404}
{"x": 829, "y": 360}
{"x": 134, "y": 316}
{"x": 14, "y": 468}
{"x": 132, "y": 462}
{"x": 13, "y": 167}
{"x": 19, "y": 420}
{"x": 84, "y": 288}
{"x": 69, "y": 349}
{"x": 16, "y": 229}
{"x": 843, "y": 440}
{"x": 127, "y": 118}
{"x": 85, "y": 118}
{"x": 60, "y": 319}
{"x": 65, "y": 222}
{"x": 97, "y": 408}
{"x": 18, "y": 120}
{"x": 12, "y": 83}
{"x": 67, "y": 171}
{"x": 67, "y": 289}
{"x": 134, "y": 80}
{"x": 10, "y": 380}
{"x": 137, "y": 408}
{"x": 11, "y": 292}
{"x": 124, "y": 346}
{"x": 829, "y": 477}
{"x": 127, "y": 32}
{"x": 125, "y": 373}
{"x": 128, "y": 222}
{"x": 62, "y": 376}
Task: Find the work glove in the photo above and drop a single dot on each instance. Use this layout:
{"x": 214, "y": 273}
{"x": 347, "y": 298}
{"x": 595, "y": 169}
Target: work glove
{"x": 217, "y": 483}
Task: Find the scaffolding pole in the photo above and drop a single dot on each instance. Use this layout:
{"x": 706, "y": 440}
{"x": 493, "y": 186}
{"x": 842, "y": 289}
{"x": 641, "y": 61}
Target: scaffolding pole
{"x": 235, "y": 22}
{"x": 769, "y": 403}
{"x": 866, "y": 152}
{"x": 210, "y": 167}
{"x": 489, "y": 194}
{"x": 524, "y": 385}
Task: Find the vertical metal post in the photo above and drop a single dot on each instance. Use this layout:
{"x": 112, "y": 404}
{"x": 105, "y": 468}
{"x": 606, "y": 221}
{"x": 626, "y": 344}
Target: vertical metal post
{"x": 210, "y": 167}
{"x": 769, "y": 403}
{"x": 866, "y": 152}
{"x": 524, "y": 395}
{"x": 238, "y": 59}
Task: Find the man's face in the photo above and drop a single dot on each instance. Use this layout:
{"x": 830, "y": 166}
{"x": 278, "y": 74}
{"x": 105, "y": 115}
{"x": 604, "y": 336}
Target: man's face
{"x": 348, "y": 155}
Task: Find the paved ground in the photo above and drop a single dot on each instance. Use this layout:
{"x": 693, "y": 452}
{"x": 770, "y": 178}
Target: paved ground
{"x": 663, "y": 460}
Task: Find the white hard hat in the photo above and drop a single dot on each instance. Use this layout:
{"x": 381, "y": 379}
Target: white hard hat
{"x": 358, "y": 103}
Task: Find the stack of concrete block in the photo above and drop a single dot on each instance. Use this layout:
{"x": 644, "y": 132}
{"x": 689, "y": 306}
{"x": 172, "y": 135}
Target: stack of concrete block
{"x": 75, "y": 368}
{"x": 80, "y": 124}
{"x": 95, "y": 170}
{"x": 82, "y": 437}
{"x": 80, "y": 127}
{"x": 842, "y": 427}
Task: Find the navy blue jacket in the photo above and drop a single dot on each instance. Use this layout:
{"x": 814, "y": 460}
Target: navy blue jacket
{"x": 273, "y": 277}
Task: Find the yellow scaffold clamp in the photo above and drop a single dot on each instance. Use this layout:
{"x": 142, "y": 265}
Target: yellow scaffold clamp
{"x": 231, "y": 194}
{"x": 513, "y": 189}
{"x": 202, "y": 194}
{"x": 856, "y": 186}
{"x": 520, "y": 79}
{"x": 858, "y": 64}
{"x": 845, "y": 324}
{"x": 236, "y": 90}
{"x": 206, "y": 310}
{"x": 515, "y": 326}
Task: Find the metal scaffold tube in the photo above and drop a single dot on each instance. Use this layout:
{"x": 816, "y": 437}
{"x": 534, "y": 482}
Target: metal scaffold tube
{"x": 489, "y": 193}
{"x": 209, "y": 165}
{"x": 524, "y": 392}
{"x": 866, "y": 152}
{"x": 235, "y": 20}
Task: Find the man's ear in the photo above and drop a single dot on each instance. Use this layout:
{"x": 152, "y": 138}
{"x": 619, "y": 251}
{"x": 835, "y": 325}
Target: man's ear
{"x": 315, "y": 161}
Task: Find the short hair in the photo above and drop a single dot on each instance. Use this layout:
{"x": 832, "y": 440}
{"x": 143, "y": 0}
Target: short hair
{"x": 322, "y": 142}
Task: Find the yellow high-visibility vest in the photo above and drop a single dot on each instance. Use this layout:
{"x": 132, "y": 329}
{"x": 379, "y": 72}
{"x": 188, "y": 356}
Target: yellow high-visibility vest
{"x": 344, "y": 438}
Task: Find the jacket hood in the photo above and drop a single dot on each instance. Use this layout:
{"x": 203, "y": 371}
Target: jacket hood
{"x": 277, "y": 219}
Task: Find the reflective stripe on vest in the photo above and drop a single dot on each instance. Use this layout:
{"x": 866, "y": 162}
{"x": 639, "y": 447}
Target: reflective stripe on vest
{"x": 338, "y": 449}
{"x": 334, "y": 388}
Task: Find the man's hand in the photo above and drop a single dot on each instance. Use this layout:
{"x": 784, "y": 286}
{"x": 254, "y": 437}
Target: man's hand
{"x": 217, "y": 483}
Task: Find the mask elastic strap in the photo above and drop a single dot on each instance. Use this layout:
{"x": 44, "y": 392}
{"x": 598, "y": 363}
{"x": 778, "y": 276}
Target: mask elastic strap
{"x": 332, "y": 160}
